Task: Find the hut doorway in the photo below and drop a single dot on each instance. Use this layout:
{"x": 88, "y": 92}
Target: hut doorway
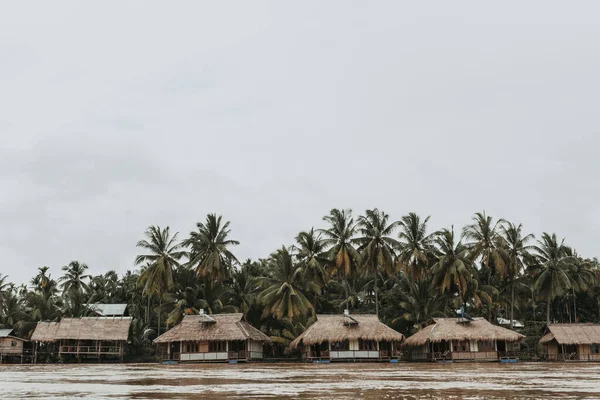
{"x": 320, "y": 350}
{"x": 385, "y": 349}
{"x": 440, "y": 347}
{"x": 174, "y": 350}
{"x": 501, "y": 345}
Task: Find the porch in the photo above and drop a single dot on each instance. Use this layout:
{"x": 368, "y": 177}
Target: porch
{"x": 353, "y": 350}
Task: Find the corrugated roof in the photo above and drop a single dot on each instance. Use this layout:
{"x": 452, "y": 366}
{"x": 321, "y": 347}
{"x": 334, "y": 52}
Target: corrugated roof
{"x": 451, "y": 329}
{"x": 224, "y": 327}
{"x": 108, "y": 310}
{"x": 5, "y": 332}
{"x": 572, "y": 333}
{"x": 337, "y": 328}
{"x": 93, "y": 328}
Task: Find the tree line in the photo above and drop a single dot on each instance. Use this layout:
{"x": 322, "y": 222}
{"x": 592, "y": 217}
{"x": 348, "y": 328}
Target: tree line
{"x": 368, "y": 263}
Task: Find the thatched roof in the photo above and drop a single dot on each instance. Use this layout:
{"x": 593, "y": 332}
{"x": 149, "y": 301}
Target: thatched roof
{"x": 572, "y": 333}
{"x": 212, "y": 328}
{"x": 452, "y": 329}
{"x": 89, "y": 328}
{"x": 337, "y": 328}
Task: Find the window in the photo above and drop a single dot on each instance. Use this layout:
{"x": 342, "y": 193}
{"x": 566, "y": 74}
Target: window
{"x": 214, "y": 347}
{"x": 367, "y": 344}
{"x": 190, "y": 347}
{"x": 340, "y": 346}
{"x": 486, "y": 345}
{"x": 460, "y": 346}
{"x": 595, "y": 348}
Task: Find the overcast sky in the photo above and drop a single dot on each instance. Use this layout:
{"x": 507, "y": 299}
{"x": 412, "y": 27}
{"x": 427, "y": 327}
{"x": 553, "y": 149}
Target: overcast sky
{"x": 118, "y": 115}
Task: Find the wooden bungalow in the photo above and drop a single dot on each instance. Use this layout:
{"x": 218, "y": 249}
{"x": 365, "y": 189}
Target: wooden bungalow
{"x": 572, "y": 342}
{"x": 348, "y": 337}
{"x": 82, "y": 338}
{"x": 11, "y": 347}
{"x": 458, "y": 339}
{"x": 205, "y": 338}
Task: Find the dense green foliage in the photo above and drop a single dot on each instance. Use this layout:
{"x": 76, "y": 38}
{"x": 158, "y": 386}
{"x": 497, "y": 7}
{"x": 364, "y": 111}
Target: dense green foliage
{"x": 371, "y": 263}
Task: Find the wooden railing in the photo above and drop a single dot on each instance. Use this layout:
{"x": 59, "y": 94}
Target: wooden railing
{"x": 238, "y": 355}
{"x": 10, "y": 350}
{"x": 352, "y": 354}
{"x": 90, "y": 349}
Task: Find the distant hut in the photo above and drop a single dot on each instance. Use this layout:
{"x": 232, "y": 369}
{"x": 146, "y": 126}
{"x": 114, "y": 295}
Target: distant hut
{"x": 348, "y": 337}
{"x": 460, "y": 339}
{"x": 11, "y": 347}
{"x": 219, "y": 337}
{"x": 580, "y": 342}
{"x": 82, "y": 338}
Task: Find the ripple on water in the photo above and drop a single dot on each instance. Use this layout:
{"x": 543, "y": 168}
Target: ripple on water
{"x": 307, "y": 381}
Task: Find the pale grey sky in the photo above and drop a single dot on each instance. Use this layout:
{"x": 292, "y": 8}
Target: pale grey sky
{"x": 117, "y": 115}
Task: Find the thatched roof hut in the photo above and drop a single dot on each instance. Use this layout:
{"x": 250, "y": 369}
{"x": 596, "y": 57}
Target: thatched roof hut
{"x": 572, "y": 334}
{"x": 448, "y": 329}
{"x": 218, "y": 327}
{"x": 337, "y": 328}
{"x": 88, "y": 328}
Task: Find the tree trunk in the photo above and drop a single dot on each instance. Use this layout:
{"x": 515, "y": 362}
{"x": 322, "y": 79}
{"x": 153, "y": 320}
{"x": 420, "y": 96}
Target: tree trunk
{"x": 158, "y": 309}
{"x": 548, "y": 311}
{"x": 512, "y": 305}
{"x": 574, "y": 307}
{"x": 148, "y": 313}
{"x": 376, "y": 297}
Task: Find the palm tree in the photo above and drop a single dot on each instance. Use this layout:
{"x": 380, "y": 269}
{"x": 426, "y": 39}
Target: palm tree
{"x": 552, "y": 271}
{"x": 41, "y": 279}
{"x": 582, "y": 279}
{"x": 4, "y": 287}
{"x": 73, "y": 285}
{"x": 283, "y": 289}
{"x": 339, "y": 239}
{"x": 418, "y": 302}
{"x": 162, "y": 257}
{"x": 209, "y": 248}
{"x": 312, "y": 258}
{"x": 245, "y": 288}
{"x": 485, "y": 243}
{"x": 454, "y": 269}
{"x": 415, "y": 246}
{"x": 376, "y": 246}
{"x": 516, "y": 252}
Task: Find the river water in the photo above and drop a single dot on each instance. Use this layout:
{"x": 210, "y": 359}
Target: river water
{"x": 306, "y": 381}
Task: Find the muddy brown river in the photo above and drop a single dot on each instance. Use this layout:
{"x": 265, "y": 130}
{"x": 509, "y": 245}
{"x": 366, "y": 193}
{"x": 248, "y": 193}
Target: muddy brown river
{"x": 305, "y": 381}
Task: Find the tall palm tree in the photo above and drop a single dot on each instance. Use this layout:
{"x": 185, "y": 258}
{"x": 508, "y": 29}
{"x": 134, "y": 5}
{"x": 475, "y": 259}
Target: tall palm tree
{"x": 485, "y": 244}
{"x": 41, "y": 279}
{"x": 516, "y": 252}
{"x": 74, "y": 284}
{"x": 245, "y": 288}
{"x": 552, "y": 270}
{"x": 454, "y": 270}
{"x": 415, "y": 246}
{"x": 74, "y": 278}
{"x": 339, "y": 239}
{"x": 209, "y": 248}
{"x": 162, "y": 256}
{"x": 376, "y": 246}
{"x": 312, "y": 258}
{"x": 582, "y": 279}
{"x": 283, "y": 289}
{"x": 4, "y": 287}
